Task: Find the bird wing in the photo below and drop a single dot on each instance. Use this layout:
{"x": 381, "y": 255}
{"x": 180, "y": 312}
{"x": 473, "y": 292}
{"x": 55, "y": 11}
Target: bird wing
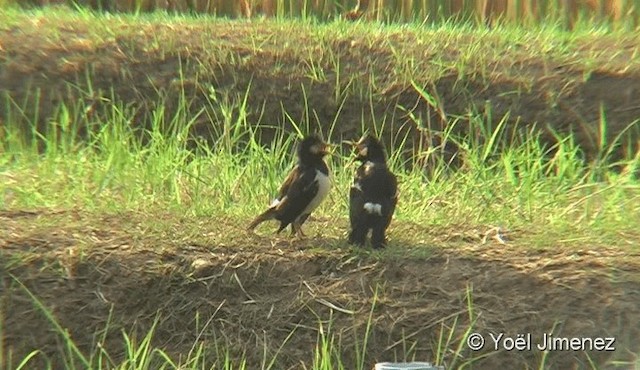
{"x": 357, "y": 199}
{"x": 378, "y": 185}
{"x": 392, "y": 194}
{"x": 291, "y": 178}
{"x": 297, "y": 192}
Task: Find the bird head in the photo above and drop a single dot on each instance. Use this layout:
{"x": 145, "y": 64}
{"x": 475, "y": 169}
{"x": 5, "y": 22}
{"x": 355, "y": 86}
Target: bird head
{"x": 369, "y": 148}
{"x": 312, "y": 148}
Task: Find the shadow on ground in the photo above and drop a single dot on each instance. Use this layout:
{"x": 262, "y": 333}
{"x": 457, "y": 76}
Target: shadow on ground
{"x": 259, "y": 292}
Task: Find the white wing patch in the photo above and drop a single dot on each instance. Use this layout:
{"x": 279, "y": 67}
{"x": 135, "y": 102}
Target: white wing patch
{"x": 275, "y": 203}
{"x": 368, "y": 167}
{"x": 373, "y": 208}
{"x": 356, "y": 185}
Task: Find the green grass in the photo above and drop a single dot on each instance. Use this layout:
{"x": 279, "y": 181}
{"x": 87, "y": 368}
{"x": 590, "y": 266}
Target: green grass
{"x": 515, "y": 185}
{"x": 515, "y": 182}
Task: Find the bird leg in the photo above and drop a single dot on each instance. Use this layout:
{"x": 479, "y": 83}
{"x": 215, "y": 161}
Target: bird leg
{"x": 357, "y": 237}
{"x": 296, "y": 226}
{"x": 296, "y": 229}
{"x": 378, "y": 238}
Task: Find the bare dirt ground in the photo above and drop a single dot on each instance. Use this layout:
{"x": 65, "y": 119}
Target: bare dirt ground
{"x": 258, "y": 289}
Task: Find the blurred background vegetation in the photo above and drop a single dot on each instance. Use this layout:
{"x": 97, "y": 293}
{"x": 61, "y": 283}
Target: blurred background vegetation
{"x": 485, "y": 11}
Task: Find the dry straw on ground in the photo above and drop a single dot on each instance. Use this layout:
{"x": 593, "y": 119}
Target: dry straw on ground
{"x": 255, "y": 294}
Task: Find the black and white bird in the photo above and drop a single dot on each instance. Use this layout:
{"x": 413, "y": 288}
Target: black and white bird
{"x": 373, "y": 195}
{"x": 306, "y": 186}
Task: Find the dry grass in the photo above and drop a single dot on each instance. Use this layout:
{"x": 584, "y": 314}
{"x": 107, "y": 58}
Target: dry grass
{"x": 259, "y": 291}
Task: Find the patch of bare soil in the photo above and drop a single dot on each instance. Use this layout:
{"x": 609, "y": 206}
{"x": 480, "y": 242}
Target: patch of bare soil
{"x": 257, "y": 290}
{"x": 143, "y": 64}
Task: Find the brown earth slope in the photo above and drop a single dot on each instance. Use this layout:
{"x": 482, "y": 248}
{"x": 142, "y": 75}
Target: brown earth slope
{"x": 347, "y": 73}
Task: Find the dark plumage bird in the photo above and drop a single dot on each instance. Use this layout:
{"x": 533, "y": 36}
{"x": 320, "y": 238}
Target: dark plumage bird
{"x": 373, "y": 195}
{"x": 303, "y": 190}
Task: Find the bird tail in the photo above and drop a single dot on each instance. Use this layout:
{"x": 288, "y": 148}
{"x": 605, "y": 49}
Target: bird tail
{"x": 266, "y": 215}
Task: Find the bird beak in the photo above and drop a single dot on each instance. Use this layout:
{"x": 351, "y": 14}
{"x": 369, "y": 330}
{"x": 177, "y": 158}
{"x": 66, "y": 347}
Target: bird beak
{"x": 328, "y": 149}
{"x": 355, "y": 143}
{"x": 359, "y": 145}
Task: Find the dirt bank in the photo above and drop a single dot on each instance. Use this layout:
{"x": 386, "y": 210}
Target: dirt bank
{"x": 349, "y": 74}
